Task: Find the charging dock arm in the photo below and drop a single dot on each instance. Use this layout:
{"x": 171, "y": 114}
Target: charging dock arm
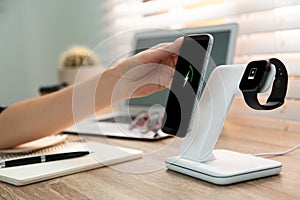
{"x": 211, "y": 112}
{"x": 212, "y": 109}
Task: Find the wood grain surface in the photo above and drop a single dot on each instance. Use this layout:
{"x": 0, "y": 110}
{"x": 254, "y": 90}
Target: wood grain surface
{"x": 147, "y": 178}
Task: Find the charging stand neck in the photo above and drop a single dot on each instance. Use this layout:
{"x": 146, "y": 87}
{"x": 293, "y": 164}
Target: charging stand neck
{"x": 197, "y": 156}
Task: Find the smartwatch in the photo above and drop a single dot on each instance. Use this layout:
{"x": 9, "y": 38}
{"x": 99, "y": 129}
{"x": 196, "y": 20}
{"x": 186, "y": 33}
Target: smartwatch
{"x": 254, "y": 79}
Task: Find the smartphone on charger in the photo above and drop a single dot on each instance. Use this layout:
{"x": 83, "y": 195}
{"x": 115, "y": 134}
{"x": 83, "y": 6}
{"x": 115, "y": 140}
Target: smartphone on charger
{"x": 188, "y": 84}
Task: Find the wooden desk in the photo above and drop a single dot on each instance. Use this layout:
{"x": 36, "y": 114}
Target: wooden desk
{"x": 155, "y": 182}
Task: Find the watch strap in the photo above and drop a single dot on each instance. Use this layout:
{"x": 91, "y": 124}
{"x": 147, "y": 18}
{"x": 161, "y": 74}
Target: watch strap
{"x": 279, "y": 87}
{"x": 252, "y": 101}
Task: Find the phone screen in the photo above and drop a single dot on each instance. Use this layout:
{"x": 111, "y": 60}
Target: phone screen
{"x": 187, "y": 84}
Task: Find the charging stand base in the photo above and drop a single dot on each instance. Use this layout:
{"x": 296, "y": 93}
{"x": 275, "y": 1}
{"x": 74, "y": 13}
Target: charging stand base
{"x": 228, "y": 167}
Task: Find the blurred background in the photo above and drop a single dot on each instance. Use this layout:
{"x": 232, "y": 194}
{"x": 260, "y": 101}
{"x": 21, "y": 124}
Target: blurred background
{"x": 34, "y": 33}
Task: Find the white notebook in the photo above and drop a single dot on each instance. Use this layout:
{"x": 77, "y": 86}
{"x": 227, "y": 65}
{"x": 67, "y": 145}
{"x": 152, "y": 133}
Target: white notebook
{"x": 102, "y": 155}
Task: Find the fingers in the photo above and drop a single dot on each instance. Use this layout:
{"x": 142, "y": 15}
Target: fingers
{"x": 169, "y": 48}
{"x": 162, "y": 51}
{"x": 160, "y": 45}
{"x": 174, "y": 46}
{"x": 166, "y": 77}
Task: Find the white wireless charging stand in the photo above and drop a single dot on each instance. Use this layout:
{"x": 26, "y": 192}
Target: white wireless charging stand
{"x": 197, "y": 156}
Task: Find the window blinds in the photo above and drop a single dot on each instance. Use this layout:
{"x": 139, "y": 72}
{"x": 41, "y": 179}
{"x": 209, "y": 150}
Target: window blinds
{"x": 267, "y": 28}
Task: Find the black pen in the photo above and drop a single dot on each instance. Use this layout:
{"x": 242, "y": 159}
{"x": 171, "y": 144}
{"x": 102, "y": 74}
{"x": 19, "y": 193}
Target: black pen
{"x": 42, "y": 159}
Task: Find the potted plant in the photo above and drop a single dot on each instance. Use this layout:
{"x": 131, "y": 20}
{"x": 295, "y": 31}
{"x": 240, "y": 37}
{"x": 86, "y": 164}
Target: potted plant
{"x": 77, "y": 63}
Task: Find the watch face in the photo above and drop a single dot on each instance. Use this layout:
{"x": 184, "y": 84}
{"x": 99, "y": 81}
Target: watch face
{"x": 254, "y": 76}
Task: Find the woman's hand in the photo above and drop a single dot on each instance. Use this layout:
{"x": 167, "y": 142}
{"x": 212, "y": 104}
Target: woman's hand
{"x": 148, "y": 71}
{"x": 136, "y": 76}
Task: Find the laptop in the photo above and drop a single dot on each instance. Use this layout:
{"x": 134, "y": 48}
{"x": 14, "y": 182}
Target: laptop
{"x": 117, "y": 124}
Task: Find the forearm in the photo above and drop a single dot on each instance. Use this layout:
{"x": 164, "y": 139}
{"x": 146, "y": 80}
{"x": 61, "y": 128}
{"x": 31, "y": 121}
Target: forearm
{"x": 50, "y": 114}
{"x": 33, "y": 119}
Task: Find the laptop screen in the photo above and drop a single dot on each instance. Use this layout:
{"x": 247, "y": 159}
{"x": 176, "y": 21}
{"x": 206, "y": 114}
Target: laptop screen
{"x": 222, "y": 53}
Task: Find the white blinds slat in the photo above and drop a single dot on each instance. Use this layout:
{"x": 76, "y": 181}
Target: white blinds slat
{"x": 268, "y": 27}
